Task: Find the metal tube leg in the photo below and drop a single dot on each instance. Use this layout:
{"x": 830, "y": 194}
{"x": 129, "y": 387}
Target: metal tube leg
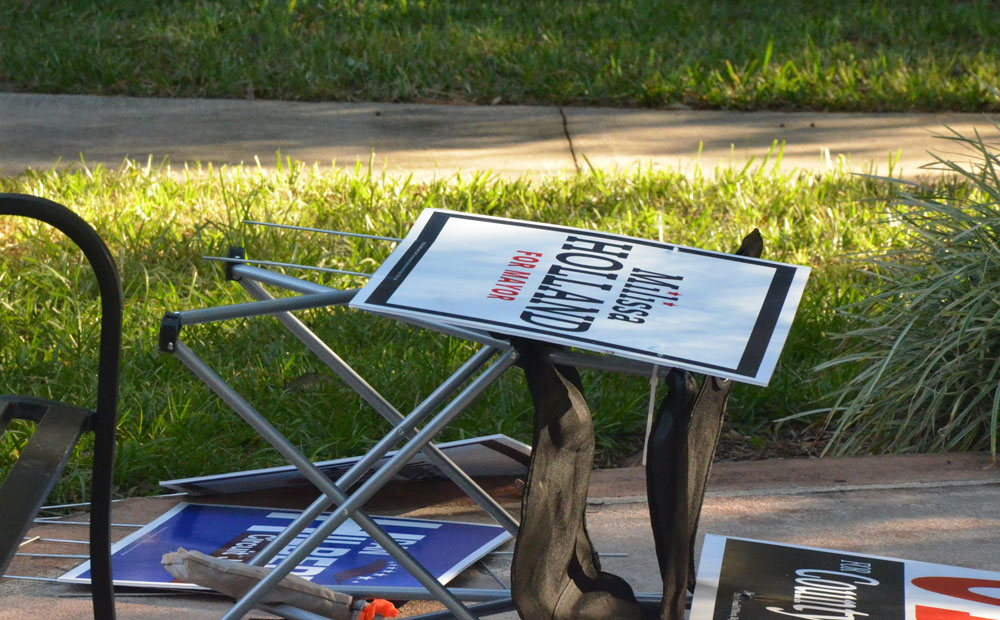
{"x": 258, "y": 308}
{"x": 363, "y": 494}
{"x": 377, "y": 451}
{"x": 291, "y": 613}
{"x": 242, "y": 272}
{"x": 269, "y": 433}
{"x": 385, "y": 409}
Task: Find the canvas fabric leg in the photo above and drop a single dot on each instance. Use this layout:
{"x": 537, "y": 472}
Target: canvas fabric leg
{"x": 679, "y": 456}
{"x": 555, "y": 573}
{"x": 681, "y": 447}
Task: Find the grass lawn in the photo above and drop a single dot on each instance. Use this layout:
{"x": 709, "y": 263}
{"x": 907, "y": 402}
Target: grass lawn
{"x": 784, "y": 54}
{"x": 159, "y": 226}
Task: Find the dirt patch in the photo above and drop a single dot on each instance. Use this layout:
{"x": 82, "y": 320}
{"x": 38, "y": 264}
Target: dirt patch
{"x": 780, "y": 443}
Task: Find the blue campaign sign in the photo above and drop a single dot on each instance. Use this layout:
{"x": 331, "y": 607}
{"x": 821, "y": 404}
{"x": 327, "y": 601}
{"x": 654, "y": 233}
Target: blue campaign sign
{"x": 348, "y": 557}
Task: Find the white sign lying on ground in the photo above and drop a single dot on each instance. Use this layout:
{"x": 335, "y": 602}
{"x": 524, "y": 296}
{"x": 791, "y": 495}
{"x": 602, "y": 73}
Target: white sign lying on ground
{"x": 740, "y": 579}
{"x": 348, "y": 557}
{"x": 671, "y": 305}
{"x": 493, "y": 455}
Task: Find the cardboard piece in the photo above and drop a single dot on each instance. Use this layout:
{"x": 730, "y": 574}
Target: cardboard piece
{"x": 493, "y": 455}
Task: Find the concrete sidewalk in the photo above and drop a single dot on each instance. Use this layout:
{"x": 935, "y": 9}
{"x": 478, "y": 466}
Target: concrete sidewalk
{"x": 935, "y": 508}
{"x": 434, "y": 141}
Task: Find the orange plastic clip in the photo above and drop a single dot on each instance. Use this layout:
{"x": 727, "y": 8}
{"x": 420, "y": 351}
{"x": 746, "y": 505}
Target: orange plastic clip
{"x": 379, "y": 607}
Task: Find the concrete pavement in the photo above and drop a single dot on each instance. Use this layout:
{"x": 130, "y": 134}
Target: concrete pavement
{"x": 935, "y": 508}
{"x": 434, "y": 141}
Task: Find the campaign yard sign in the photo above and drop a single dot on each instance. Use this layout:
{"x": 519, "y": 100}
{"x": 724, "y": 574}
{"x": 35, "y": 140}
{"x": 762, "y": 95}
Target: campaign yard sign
{"x": 492, "y": 455}
{"x": 671, "y": 305}
{"x": 348, "y": 557}
{"x": 741, "y": 579}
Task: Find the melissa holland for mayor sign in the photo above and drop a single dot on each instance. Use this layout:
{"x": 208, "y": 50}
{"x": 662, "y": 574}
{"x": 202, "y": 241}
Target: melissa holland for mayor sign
{"x": 667, "y": 304}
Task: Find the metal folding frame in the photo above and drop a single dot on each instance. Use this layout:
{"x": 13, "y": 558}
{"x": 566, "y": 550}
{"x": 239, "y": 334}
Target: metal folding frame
{"x": 405, "y": 429}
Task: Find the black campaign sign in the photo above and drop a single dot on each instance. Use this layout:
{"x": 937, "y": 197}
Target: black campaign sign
{"x": 760, "y": 581}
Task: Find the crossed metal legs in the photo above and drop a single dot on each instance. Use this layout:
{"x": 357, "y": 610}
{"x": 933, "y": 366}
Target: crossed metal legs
{"x": 405, "y": 428}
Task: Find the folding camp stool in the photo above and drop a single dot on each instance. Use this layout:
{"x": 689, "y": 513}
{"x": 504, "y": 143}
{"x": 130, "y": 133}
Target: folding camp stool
{"x": 405, "y": 428}
{"x": 59, "y": 426}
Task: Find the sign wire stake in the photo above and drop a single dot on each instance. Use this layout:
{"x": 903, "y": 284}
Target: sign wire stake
{"x": 241, "y": 261}
{"x": 339, "y": 233}
{"x": 654, "y": 380}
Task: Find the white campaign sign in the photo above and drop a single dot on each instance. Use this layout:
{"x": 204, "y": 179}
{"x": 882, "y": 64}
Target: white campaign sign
{"x": 709, "y": 312}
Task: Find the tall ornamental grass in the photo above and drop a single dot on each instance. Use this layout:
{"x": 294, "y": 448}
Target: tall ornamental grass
{"x": 926, "y": 339}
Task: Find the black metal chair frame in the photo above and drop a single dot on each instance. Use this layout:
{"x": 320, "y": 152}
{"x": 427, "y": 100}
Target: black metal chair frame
{"x": 59, "y": 426}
